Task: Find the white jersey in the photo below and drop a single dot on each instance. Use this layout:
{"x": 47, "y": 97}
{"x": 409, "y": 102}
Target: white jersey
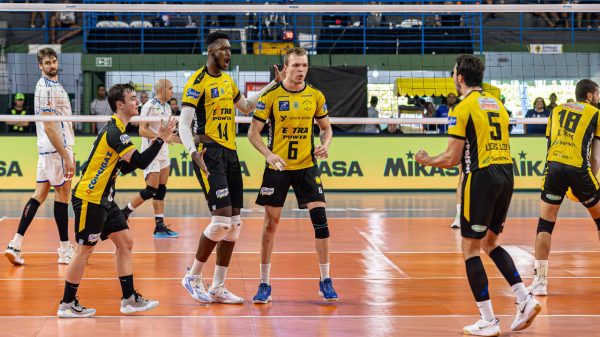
{"x": 51, "y": 98}
{"x": 155, "y": 108}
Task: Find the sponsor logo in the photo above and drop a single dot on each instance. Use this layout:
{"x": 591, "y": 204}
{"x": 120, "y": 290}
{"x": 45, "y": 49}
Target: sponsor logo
{"x": 479, "y": 228}
{"x": 296, "y": 105}
{"x": 307, "y": 105}
{"x": 553, "y": 197}
{"x": 192, "y": 93}
{"x": 318, "y": 180}
{"x": 488, "y": 103}
{"x": 214, "y": 92}
{"x": 284, "y": 105}
{"x": 589, "y": 200}
{"x": 574, "y": 106}
{"x": 94, "y": 237}
{"x": 283, "y": 118}
{"x": 222, "y": 193}
{"x": 101, "y": 170}
{"x": 325, "y": 107}
{"x": 267, "y": 191}
{"x": 451, "y": 121}
{"x": 260, "y": 105}
{"x": 222, "y": 91}
{"x": 125, "y": 139}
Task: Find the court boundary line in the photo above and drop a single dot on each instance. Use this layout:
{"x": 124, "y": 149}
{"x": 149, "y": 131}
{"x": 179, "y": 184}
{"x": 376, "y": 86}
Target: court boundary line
{"x": 296, "y": 278}
{"x": 298, "y": 316}
{"x": 312, "y": 252}
{"x": 302, "y": 218}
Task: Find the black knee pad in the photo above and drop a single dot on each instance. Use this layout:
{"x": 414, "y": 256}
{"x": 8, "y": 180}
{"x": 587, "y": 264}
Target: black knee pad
{"x": 545, "y": 226}
{"x": 597, "y": 221}
{"x": 161, "y": 192}
{"x": 319, "y": 220}
{"x": 148, "y": 192}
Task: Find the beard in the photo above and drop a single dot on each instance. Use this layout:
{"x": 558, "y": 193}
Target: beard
{"x": 51, "y": 73}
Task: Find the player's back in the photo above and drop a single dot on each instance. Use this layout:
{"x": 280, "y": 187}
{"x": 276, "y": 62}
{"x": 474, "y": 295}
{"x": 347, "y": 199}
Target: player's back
{"x": 482, "y": 121}
{"x": 51, "y": 97}
{"x": 571, "y": 130}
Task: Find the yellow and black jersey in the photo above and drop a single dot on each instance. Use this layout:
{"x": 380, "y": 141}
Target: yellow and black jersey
{"x": 97, "y": 183}
{"x": 482, "y": 121}
{"x": 291, "y": 116}
{"x": 213, "y": 97}
{"x": 570, "y": 131}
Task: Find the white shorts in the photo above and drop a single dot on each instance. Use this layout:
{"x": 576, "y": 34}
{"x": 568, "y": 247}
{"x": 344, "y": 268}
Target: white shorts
{"x": 50, "y": 168}
{"x": 156, "y": 166}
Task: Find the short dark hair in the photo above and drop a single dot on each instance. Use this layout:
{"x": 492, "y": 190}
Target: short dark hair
{"x": 214, "y": 36}
{"x": 100, "y": 85}
{"x": 117, "y": 94}
{"x": 45, "y": 52}
{"x": 374, "y": 100}
{"x": 584, "y": 87}
{"x": 173, "y": 99}
{"x": 471, "y": 68}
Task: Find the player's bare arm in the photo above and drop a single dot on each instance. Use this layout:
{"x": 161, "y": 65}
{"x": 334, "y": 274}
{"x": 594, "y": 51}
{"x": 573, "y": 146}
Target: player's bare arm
{"x": 247, "y": 105}
{"x": 447, "y": 159}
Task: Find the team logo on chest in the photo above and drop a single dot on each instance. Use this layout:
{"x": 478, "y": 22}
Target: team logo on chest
{"x": 284, "y": 105}
{"x": 214, "y": 92}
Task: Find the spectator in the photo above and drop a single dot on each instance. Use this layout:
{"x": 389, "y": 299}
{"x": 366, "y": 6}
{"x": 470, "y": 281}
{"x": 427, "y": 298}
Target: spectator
{"x": 18, "y": 109}
{"x": 64, "y": 20}
{"x": 429, "y": 113}
{"x": 100, "y": 107}
{"x": 174, "y": 107}
{"x": 570, "y": 100}
{"x": 552, "y": 103}
{"x": 393, "y": 129}
{"x": 442, "y": 110}
{"x": 539, "y": 111}
{"x": 373, "y": 113}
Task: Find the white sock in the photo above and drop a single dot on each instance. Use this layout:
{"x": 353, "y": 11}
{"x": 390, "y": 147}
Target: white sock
{"x": 457, "y": 216}
{"x": 265, "y": 270}
{"x": 541, "y": 270}
{"x": 197, "y": 268}
{"x": 17, "y": 241}
{"x": 159, "y": 215}
{"x": 219, "y": 277}
{"x": 65, "y": 245}
{"x": 130, "y": 206}
{"x": 520, "y": 291}
{"x": 324, "y": 268}
{"x": 236, "y": 219}
{"x": 486, "y": 311}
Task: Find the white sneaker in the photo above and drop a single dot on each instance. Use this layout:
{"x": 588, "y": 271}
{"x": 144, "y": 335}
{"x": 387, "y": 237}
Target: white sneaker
{"x": 74, "y": 310}
{"x": 526, "y": 312}
{"x": 456, "y": 223}
{"x": 193, "y": 284}
{"x": 221, "y": 295}
{"x": 14, "y": 255}
{"x": 483, "y": 328}
{"x": 538, "y": 288}
{"x": 65, "y": 256}
{"x": 136, "y": 303}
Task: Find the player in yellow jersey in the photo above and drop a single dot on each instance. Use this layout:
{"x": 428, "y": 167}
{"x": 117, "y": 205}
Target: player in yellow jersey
{"x": 211, "y": 96}
{"x": 572, "y": 161}
{"x": 478, "y": 129}
{"x": 97, "y": 216}
{"x": 291, "y": 108}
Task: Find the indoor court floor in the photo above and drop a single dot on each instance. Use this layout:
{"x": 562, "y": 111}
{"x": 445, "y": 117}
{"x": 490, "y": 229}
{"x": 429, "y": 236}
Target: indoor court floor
{"x": 396, "y": 265}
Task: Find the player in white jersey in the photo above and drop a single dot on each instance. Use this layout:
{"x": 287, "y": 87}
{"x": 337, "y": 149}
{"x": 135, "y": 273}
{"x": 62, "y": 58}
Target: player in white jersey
{"x": 157, "y": 173}
{"x": 56, "y": 164}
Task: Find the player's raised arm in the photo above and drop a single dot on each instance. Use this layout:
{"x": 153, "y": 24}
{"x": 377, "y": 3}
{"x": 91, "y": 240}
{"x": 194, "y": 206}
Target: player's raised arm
{"x": 247, "y": 105}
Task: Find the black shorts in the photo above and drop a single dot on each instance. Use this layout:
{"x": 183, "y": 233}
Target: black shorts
{"x": 275, "y": 185}
{"x": 94, "y": 222}
{"x": 486, "y": 195}
{"x": 224, "y": 186}
{"x": 559, "y": 177}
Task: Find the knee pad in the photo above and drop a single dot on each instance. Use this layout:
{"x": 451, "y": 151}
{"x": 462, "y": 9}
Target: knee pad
{"x": 597, "y": 221}
{"x": 218, "y": 227}
{"x": 148, "y": 192}
{"x": 545, "y": 226}
{"x": 319, "y": 221}
{"x": 234, "y": 231}
{"x": 160, "y": 192}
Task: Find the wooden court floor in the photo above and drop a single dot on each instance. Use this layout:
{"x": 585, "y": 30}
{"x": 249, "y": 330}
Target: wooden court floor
{"x": 396, "y": 276}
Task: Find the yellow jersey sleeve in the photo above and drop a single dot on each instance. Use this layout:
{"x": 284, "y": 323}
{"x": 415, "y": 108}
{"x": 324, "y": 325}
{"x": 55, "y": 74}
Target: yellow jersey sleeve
{"x": 321, "y": 107}
{"x": 457, "y": 122}
{"x": 192, "y": 92}
{"x": 235, "y": 91}
{"x": 263, "y": 108}
{"x": 597, "y": 133}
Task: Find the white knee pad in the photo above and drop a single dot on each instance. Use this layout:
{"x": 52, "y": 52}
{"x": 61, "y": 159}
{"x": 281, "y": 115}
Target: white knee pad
{"x": 218, "y": 227}
{"x": 234, "y": 231}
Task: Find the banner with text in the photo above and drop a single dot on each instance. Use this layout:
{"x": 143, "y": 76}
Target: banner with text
{"x": 354, "y": 163}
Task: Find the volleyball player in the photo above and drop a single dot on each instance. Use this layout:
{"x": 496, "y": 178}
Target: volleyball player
{"x": 56, "y": 163}
{"x": 291, "y": 107}
{"x": 97, "y": 216}
{"x": 573, "y": 159}
{"x": 157, "y": 173}
{"x": 212, "y": 96}
{"x": 478, "y": 129}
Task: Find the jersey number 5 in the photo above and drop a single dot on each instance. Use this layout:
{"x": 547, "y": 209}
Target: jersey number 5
{"x": 569, "y": 120}
{"x": 496, "y": 133}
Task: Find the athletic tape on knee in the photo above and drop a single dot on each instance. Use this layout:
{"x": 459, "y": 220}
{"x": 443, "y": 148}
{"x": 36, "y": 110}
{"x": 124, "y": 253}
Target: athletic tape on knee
{"x": 217, "y": 228}
{"x": 597, "y": 221}
{"x": 148, "y": 192}
{"x": 319, "y": 221}
{"x": 234, "y": 231}
{"x": 545, "y": 226}
{"x": 161, "y": 192}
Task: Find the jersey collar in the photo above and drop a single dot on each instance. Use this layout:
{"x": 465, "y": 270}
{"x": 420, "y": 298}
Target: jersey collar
{"x": 293, "y": 92}
{"x": 118, "y": 123}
